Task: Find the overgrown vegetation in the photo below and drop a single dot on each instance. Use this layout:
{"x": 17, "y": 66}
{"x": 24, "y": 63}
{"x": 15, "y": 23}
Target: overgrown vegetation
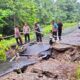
{"x": 2, "y": 55}
{"x": 4, "y": 46}
{"x": 14, "y": 12}
{"x": 78, "y": 73}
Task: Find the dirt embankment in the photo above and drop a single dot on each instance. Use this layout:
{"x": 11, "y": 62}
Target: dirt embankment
{"x": 61, "y": 65}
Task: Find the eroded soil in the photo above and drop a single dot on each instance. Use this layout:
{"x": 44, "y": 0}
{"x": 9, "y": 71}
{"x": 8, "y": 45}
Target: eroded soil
{"x": 61, "y": 65}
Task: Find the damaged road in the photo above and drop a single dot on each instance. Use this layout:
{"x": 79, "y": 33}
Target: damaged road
{"x": 61, "y": 65}
{"x": 27, "y": 57}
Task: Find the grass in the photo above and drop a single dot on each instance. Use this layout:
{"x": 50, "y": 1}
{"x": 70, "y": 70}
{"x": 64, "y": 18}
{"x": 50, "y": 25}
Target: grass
{"x": 67, "y": 25}
{"x": 0, "y": 35}
{"x": 2, "y": 55}
{"x": 5, "y": 44}
{"x": 78, "y": 73}
{"x": 47, "y": 28}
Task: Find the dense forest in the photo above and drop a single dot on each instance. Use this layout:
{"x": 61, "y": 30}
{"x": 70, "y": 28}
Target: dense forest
{"x": 14, "y": 12}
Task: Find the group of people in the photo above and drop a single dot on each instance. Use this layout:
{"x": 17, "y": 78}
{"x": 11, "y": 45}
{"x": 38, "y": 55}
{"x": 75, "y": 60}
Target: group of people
{"x": 56, "y": 31}
{"x": 26, "y": 32}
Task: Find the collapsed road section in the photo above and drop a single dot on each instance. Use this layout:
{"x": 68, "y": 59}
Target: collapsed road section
{"x": 32, "y": 50}
{"x": 61, "y": 65}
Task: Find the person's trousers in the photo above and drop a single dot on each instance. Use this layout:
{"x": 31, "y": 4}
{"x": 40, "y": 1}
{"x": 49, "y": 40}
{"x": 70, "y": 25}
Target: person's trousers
{"x": 59, "y": 34}
{"x": 38, "y": 37}
{"x": 55, "y": 35}
{"x": 27, "y": 37}
{"x": 19, "y": 40}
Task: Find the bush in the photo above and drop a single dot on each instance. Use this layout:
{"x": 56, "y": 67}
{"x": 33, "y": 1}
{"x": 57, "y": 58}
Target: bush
{"x": 2, "y": 55}
{"x": 4, "y": 46}
{"x": 8, "y": 30}
{"x": 46, "y": 29}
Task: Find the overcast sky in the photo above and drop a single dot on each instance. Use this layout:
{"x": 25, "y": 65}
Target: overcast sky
{"x": 78, "y": 0}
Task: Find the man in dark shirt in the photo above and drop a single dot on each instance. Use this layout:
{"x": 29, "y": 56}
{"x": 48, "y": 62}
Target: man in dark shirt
{"x": 38, "y": 32}
{"x": 60, "y": 25}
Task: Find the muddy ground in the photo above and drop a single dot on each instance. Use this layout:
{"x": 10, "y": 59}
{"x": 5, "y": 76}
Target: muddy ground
{"x": 61, "y": 65}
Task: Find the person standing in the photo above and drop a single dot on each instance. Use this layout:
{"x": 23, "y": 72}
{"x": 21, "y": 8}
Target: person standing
{"x": 38, "y": 32}
{"x": 26, "y": 32}
{"x": 60, "y": 25}
{"x": 17, "y": 35}
{"x": 54, "y": 29}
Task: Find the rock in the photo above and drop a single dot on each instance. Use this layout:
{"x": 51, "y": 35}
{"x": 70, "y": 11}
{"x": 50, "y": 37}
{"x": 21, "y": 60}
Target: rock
{"x": 53, "y": 69}
{"x": 61, "y": 47}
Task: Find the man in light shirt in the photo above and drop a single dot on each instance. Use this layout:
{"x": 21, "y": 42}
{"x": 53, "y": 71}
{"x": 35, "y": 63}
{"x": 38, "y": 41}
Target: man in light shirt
{"x": 17, "y": 35}
{"x": 26, "y": 32}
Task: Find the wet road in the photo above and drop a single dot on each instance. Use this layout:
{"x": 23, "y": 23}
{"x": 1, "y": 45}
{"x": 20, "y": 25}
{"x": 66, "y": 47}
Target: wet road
{"x": 72, "y": 38}
{"x": 8, "y": 67}
{"x": 36, "y": 49}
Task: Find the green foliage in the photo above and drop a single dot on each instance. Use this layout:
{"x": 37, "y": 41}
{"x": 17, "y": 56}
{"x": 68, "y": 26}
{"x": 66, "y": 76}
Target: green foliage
{"x": 2, "y": 55}
{"x": 46, "y": 29}
{"x": 78, "y": 73}
{"x": 14, "y": 12}
{"x": 4, "y": 46}
{"x": 66, "y": 25}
